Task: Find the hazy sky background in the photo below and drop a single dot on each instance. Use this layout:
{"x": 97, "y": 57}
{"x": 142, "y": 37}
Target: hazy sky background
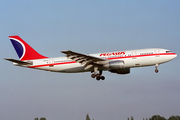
{"x": 89, "y": 26}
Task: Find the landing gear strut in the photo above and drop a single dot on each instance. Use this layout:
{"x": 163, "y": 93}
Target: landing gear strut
{"x": 156, "y": 70}
{"x": 98, "y": 76}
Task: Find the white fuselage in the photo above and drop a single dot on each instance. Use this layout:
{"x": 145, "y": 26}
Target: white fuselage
{"x": 132, "y": 58}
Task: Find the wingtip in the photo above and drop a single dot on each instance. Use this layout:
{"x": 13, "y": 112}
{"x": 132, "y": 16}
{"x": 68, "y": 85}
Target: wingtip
{"x": 64, "y": 51}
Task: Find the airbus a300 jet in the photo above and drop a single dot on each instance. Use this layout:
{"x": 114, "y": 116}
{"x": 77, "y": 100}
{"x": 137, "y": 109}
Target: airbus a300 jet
{"x": 119, "y": 62}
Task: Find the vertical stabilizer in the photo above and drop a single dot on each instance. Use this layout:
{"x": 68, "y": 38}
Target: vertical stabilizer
{"x": 24, "y": 51}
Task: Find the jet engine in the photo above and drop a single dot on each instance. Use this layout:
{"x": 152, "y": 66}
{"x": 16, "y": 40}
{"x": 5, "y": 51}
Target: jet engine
{"x": 118, "y": 64}
{"x": 117, "y": 67}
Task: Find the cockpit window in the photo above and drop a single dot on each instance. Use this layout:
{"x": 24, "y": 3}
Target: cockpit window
{"x": 168, "y": 52}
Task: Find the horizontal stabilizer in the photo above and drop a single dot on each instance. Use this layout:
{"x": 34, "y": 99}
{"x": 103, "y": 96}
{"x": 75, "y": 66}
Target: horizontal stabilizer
{"x": 18, "y": 61}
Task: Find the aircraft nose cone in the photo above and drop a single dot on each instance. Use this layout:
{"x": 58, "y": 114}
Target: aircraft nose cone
{"x": 175, "y": 55}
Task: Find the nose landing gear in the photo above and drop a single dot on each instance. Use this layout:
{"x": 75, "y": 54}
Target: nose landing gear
{"x": 156, "y": 70}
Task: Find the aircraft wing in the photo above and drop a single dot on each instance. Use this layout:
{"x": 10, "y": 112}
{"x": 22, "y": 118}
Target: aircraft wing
{"x": 87, "y": 60}
{"x": 18, "y": 61}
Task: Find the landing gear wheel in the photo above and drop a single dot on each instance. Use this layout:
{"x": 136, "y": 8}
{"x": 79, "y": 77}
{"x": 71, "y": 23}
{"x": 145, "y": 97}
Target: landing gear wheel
{"x": 98, "y": 75}
{"x": 93, "y": 75}
{"x": 98, "y": 78}
{"x": 102, "y": 78}
{"x": 156, "y": 70}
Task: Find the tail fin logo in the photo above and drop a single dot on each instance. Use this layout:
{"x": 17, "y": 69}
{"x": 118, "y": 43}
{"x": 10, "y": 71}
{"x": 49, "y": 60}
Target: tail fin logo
{"x": 24, "y": 51}
{"x": 19, "y": 47}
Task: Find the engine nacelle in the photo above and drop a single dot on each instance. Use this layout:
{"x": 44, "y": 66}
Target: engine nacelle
{"x": 121, "y": 71}
{"x": 114, "y": 65}
{"x": 117, "y": 67}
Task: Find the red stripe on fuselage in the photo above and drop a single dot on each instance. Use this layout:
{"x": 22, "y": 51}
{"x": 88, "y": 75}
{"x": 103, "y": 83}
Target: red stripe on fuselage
{"x": 111, "y": 58}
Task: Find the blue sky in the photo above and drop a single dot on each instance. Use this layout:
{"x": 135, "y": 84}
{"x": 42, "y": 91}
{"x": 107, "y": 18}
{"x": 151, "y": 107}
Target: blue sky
{"x": 89, "y": 27}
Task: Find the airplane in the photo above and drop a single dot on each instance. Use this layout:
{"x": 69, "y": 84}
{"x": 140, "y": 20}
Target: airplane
{"x": 118, "y": 62}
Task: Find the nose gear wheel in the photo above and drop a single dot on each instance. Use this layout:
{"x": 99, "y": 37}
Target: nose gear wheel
{"x": 156, "y": 70}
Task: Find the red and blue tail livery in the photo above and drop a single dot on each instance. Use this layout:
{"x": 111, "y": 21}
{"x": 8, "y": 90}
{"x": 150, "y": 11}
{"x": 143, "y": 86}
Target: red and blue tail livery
{"x": 119, "y": 62}
{"x": 24, "y": 51}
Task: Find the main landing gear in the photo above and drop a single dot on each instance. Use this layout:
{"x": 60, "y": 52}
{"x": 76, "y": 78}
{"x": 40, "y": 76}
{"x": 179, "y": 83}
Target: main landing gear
{"x": 156, "y": 70}
{"x": 97, "y": 76}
